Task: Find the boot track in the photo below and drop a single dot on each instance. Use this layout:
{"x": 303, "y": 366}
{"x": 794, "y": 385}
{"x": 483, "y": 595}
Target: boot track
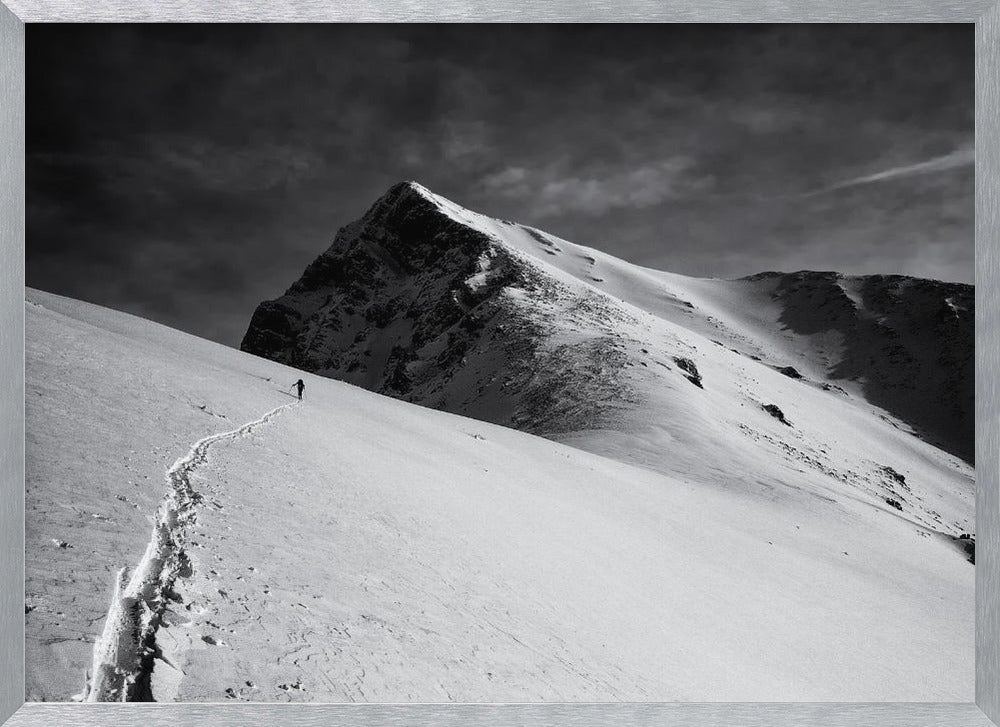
{"x": 124, "y": 653}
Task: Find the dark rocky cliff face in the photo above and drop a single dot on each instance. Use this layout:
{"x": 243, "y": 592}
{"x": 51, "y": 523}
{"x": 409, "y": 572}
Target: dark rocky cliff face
{"x": 404, "y": 261}
{"x": 411, "y": 303}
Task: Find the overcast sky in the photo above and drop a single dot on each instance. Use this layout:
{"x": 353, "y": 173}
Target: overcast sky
{"x": 185, "y": 173}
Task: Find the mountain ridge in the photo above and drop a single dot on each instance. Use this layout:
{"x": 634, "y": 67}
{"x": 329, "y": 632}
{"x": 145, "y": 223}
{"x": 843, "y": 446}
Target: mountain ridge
{"x": 406, "y": 294}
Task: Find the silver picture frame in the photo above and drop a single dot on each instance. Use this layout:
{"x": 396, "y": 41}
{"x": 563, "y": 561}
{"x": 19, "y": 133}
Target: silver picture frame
{"x": 985, "y": 14}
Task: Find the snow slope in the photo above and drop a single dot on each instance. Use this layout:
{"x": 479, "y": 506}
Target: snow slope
{"x": 355, "y": 547}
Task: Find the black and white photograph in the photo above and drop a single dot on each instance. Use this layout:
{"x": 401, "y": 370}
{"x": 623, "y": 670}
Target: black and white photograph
{"x": 499, "y": 363}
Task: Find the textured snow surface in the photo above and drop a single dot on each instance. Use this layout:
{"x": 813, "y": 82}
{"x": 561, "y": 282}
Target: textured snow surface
{"x": 361, "y": 548}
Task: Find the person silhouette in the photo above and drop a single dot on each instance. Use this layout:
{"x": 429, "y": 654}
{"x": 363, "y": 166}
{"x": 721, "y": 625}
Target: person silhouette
{"x": 300, "y": 385}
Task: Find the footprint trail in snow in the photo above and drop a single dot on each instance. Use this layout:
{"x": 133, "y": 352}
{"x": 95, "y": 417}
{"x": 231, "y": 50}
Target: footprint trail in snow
{"x": 125, "y": 650}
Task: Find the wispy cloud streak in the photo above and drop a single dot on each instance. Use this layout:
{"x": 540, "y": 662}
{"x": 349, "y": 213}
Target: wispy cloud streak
{"x": 953, "y": 160}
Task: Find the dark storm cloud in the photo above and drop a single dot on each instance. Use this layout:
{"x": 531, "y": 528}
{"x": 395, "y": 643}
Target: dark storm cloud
{"x": 184, "y": 173}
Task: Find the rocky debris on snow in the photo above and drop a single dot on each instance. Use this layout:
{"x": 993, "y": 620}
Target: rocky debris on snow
{"x": 969, "y": 546}
{"x": 895, "y": 476}
{"x": 894, "y": 503}
{"x": 790, "y": 371}
{"x": 691, "y": 371}
{"x": 776, "y": 412}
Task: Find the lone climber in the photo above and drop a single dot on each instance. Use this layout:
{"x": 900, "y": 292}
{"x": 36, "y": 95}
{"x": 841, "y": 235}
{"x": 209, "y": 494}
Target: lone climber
{"x": 300, "y": 386}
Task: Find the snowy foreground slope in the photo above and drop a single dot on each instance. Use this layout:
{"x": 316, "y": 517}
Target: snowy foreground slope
{"x": 359, "y": 548}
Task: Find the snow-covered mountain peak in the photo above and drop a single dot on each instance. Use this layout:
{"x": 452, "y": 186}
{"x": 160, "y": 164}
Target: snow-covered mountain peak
{"x": 403, "y": 193}
{"x": 408, "y": 198}
{"x": 417, "y": 188}
{"x": 416, "y": 212}
{"x": 438, "y": 305}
